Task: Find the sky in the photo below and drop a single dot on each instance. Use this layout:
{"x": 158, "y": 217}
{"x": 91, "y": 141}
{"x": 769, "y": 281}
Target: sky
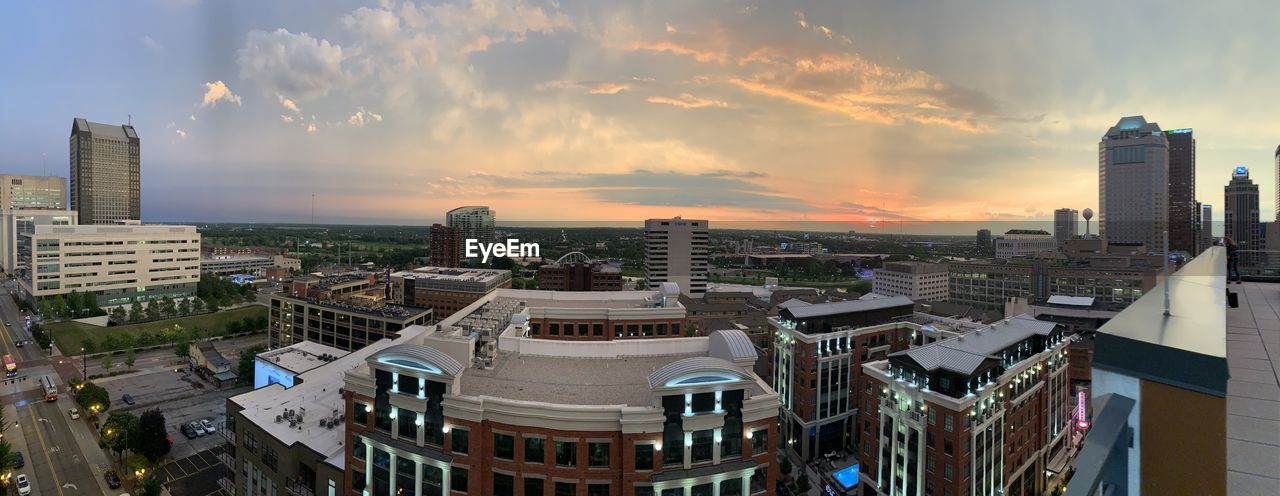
{"x": 393, "y": 112}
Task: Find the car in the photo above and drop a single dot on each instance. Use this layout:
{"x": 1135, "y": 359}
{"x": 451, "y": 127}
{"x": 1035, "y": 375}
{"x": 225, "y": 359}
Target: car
{"x": 128, "y": 399}
{"x": 188, "y": 431}
{"x": 170, "y": 438}
{"x": 113, "y": 480}
{"x": 21, "y": 343}
{"x": 24, "y": 486}
{"x": 18, "y": 462}
{"x": 208, "y": 426}
{"x": 195, "y": 426}
{"x": 75, "y": 413}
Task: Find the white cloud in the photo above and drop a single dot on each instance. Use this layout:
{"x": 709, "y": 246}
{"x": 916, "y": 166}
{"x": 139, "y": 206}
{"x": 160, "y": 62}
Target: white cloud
{"x": 686, "y": 100}
{"x": 151, "y": 44}
{"x": 217, "y": 91}
{"x": 362, "y": 117}
{"x": 193, "y": 117}
{"x": 288, "y": 104}
{"x": 287, "y": 119}
{"x": 311, "y": 127}
{"x": 181, "y": 134}
{"x": 298, "y": 65}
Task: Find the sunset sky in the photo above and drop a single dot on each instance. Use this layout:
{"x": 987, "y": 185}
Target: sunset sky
{"x": 393, "y": 112}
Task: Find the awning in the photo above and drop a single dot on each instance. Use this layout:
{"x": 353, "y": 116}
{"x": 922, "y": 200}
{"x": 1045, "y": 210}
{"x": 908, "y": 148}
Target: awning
{"x": 229, "y": 375}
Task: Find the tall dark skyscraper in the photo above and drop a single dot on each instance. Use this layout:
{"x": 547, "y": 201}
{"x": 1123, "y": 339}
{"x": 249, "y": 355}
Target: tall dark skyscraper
{"x": 104, "y": 172}
{"x": 1182, "y": 190}
{"x": 1133, "y": 183}
{"x": 983, "y": 243}
{"x": 1240, "y": 219}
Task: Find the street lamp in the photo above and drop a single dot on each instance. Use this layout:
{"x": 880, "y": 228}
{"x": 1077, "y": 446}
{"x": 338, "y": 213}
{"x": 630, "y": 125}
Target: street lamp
{"x": 84, "y": 359}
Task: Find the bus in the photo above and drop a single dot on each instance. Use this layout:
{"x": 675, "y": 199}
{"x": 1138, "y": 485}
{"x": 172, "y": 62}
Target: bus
{"x": 50, "y": 390}
{"x": 10, "y": 367}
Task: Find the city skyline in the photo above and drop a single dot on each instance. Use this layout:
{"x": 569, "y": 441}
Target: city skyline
{"x": 393, "y": 112}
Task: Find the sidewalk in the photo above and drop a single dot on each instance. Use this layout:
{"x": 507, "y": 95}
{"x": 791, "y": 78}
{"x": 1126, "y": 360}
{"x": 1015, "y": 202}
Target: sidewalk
{"x": 87, "y": 441}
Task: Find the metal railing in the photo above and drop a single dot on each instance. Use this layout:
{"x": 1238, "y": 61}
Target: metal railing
{"x": 1102, "y": 469}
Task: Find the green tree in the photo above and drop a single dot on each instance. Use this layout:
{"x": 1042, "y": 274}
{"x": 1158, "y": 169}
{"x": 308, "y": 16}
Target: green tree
{"x": 153, "y": 437}
{"x": 234, "y": 327}
{"x": 785, "y": 466}
{"x": 802, "y": 482}
{"x": 135, "y": 312}
{"x": 106, "y": 362}
{"x": 197, "y": 305}
{"x": 6, "y": 451}
{"x": 60, "y": 309}
{"x": 212, "y": 304}
{"x": 129, "y": 358}
{"x": 119, "y": 432}
{"x": 93, "y": 397}
{"x": 46, "y": 308}
{"x": 260, "y": 323}
{"x": 87, "y": 344}
{"x": 150, "y": 485}
{"x": 167, "y": 307}
{"x": 90, "y": 302}
{"x": 153, "y": 310}
{"x": 74, "y": 305}
{"x": 246, "y": 363}
{"x": 184, "y": 306}
{"x": 248, "y": 324}
{"x": 109, "y": 343}
{"x": 119, "y": 315}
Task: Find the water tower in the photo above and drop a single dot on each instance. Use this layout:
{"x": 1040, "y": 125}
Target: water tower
{"x": 1088, "y": 215}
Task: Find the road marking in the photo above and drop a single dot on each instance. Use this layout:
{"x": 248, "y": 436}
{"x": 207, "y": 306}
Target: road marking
{"x": 40, "y": 435}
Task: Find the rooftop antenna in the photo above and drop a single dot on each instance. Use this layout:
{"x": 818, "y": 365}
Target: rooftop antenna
{"x": 130, "y": 119}
{"x": 313, "y": 208}
{"x": 1166, "y": 273}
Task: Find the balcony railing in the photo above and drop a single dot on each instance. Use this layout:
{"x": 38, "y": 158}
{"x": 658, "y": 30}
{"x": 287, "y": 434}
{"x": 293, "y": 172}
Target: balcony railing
{"x": 1102, "y": 467}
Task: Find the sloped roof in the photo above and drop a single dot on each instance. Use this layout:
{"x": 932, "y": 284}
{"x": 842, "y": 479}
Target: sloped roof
{"x": 731, "y": 344}
{"x": 847, "y": 306}
{"x": 964, "y": 354}
{"x": 421, "y": 353}
{"x": 695, "y": 365}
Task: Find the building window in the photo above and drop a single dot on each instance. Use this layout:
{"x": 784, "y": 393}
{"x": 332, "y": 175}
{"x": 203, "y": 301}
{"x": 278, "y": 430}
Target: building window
{"x": 432, "y": 480}
{"x": 949, "y": 423}
{"x": 358, "y": 448}
{"x": 269, "y": 458}
{"x": 947, "y": 447}
{"x": 503, "y": 484}
{"x": 459, "y": 440}
{"x": 759, "y": 441}
{"x": 504, "y": 446}
{"x": 458, "y": 479}
{"x": 675, "y": 491}
{"x": 566, "y": 454}
{"x": 644, "y": 457}
{"x": 758, "y": 479}
{"x": 534, "y": 486}
{"x": 946, "y": 471}
{"x": 566, "y": 489}
{"x": 702, "y": 489}
{"x": 361, "y": 413}
{"x": 702, "y": 442}
{"x": 597, "y": 330}
{"x": 534, "y": 449}
{"x": 554, "y": 329}
{"x": 933, "y": 417}
{"x": 597, "y": 490}
{"x": 408, "y": 423}
{"x": 731, "y": 487}
{"x": 644, "y": 491}
{"x": 598, "y": 455}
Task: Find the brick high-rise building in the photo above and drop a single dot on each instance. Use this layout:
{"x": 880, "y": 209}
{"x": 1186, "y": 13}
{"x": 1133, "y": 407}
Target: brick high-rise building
{"x": 104, "y": 179}
{"x": 444, "y": 246}
{"x": 580, "y": 276}
{"x": 982, "y": 413}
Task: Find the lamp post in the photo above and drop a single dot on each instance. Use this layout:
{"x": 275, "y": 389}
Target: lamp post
{"x": 84, "y": 364}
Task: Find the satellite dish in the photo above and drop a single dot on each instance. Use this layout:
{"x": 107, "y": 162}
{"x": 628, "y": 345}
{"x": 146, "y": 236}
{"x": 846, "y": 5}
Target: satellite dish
{"x": 1088, "y": 213}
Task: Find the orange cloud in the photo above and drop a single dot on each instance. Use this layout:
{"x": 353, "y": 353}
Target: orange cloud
{"x": 686, "y": 100}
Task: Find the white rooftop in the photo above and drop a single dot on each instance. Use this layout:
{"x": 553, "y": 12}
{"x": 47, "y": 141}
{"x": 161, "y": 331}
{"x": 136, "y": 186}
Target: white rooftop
{"x": 301, "y": 357}
{"x": 453, "y": 274}
{"x": 1075, "y": 301}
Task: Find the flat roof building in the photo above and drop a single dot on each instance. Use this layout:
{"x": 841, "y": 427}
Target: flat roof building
{"x": 18, "y": 192}
{"x": 915, "y": 280}
{"x": 104, "y": 180}
{"x": 119, "y": 264}
{"x": 445, "y": 290}
{"x": 677, "y": 250}
{"x": 13, "y": 223}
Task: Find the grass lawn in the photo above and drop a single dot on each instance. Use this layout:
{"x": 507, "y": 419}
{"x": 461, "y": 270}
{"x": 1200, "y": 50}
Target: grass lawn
{"x": 69, "y": 334}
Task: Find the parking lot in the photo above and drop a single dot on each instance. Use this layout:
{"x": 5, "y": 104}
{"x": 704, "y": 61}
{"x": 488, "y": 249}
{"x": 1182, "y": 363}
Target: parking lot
{"x": 197, "y": 474}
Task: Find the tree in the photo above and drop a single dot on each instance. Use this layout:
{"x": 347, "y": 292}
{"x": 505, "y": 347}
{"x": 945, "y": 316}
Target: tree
{"x": 74, "y": 305}
{"x": 135, "y": 312}
{"x": 106, "y": 362}
{"x": 129, "y": 358}
{"x": 60, "y": 307}
{"x": 119, "y": 432}
{"x": 153, "y": 310}
{"x": 90, "y": 302}
{"x": 93, "y": 397}
{"x": 248, "y": 324}
{"x": 802, "y": 482}
{"x": 167, "y": 307}
{"x": 6, "y": 451}
{"x": 212, "y": 304}
{"x": 234, "y": 327}
{"x": 150, "y": 485}
{"x": 246, "y": 362}
{"x": 87, "y": 344}
{"x": 153, "y": 437}
{"x": 46, "y": 308}
{"x": 119, "y": 315}
{"x": 260, "y": 323}
{"x": 785, "y": 466}
{"x": 184, "y": 306}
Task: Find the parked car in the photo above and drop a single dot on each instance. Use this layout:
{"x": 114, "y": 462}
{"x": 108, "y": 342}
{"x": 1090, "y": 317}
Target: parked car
{"x": 128, "y": 399}
{"x": 24, "y": 486}
{"x": 21, "y": 343}
{"x": 75, "y": 413}
{"x": 18, "y": 461}
{"x": 208, "y": 426}
{"x": 113, "y": 480}
{"x": 195, "y": 426}
{"x": 188, "y": 431}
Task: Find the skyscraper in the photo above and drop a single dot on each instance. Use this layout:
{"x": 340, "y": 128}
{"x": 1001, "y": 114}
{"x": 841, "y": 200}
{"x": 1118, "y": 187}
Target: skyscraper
{"x": 983, "y": 242}
{"x": 474, "y": 222}
{"x": 104, "y": 172}
{"x": 1277, "y": 203}
{"x": 443, "y": 246}
{"x": 1240, "y": 221}
{"x": 1182, "y": 189}
{"x": 1206, "y": 226}
{"x": 1066, "y": 224}
{"x": 33, "y": 192}
{"x": 677, "y": 250}
{"x": 1133, "y": 183}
